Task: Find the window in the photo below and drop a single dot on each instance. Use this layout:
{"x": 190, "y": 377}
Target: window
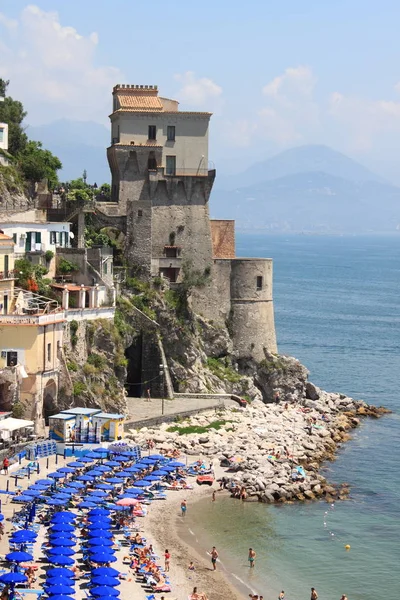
{"x": 14, "y": 238}
{"x": 105, "y": 268}
{"x": 171, "y": 165}
{"x": 140, "y": 213}
{"x": 259, "y": 283}
{"x": 38, "y": 237}
{"x": 171, "y": 252}
{"x": 152, "y": 132}
{"x": 48, "y": 352}
{"x": 171, "y": 133}
{"x": 58, "y": 346}
{"x": 1, "y": 134}
{"x": 53, "y": 237}
{"x": 12, "y": 358}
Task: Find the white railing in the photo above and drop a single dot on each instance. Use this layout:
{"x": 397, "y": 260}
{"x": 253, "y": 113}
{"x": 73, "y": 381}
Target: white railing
{"x": 56, "y": 317}
{"x": 90, "y": 314}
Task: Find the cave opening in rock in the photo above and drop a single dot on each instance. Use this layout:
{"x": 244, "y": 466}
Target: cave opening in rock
{"x": 134, "y": 372}
{"x": 49, "y": 400}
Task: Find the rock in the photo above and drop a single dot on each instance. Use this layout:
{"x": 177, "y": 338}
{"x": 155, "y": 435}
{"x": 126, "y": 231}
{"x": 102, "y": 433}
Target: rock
{"x": 312, "y": 391}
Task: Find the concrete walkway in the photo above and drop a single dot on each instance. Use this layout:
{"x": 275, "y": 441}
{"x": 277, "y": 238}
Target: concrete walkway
{"x": 141, "y": 410}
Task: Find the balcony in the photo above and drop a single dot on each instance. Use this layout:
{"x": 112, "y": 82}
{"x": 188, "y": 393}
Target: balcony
{"x": 10, "y": 274}
{"x": 170, "y": 262}
{"x": 36, "y": 248}
{"x": 38, "y": 319}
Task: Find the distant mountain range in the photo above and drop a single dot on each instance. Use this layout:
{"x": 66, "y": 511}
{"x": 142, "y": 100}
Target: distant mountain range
{"x": 309, "y": 188}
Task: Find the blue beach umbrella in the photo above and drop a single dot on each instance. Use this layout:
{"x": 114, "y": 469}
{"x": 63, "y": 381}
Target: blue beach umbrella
{"x": 175, "y": 463}
{"x": 103, "y": 520}
{"x": 119, "y": 458}
{"x": 63, "y": 515}
{"x": 85, "y": 478}
{"x": 66, "y": 470}
{"x": 101, "y": 540}
{"x": 142, "y": 483}
{"x": 103, "y": 558}
{"x": 118, "y": 508}
{"x": 103, "y": 533}
{"x": 33, "y": 493}
{"x": 123, "y": 474}
{"x": 24, "y": 535}
{"x": 76, "y": 484}
{"x": 8, "y": 578}
{"x": 61, "y": 560}
{"x": 106, "y": 580}
{"x": 62, "y": 527}
{"x": 104, "y": 486}
{"x": 62, "y": 496}
{"x": 59, "y": 589}
{"x": 44, "y": 481}
{"x": 99, "y": 493}
{"x": 94, "y": 472}
{"x": 160, "y": 472}
{"x": 62, "y": 597}
{"x": 93, "y": 455}
{"x": 111, "y": 463}
{"x": 152, "y": 478}
{"x": 87, "y": 505}
{"x": 157, "y": 456}
{"x": 76, "y": 464}
{"x": 132, "y": 469}
{"x": 100, "y": 450}
{"x": 146, "y": 461}
{"x": 59, "y": 580}
{"x": 108, "y": 571}
{"x": 86, "y": 459}
{"x": 60, "y": 572}
{"x": 19, "y": 556}
{"x": 99, "y": 544}
{"x": 104, "y": 590}
{"x": 56, "y": 475}
{"x": 64, "y": 542}
{"x": 113, "y": 480}
{"x": 102, "y": 468}
{"x": 99, "y": 511}
{"x": 61, "y": 551}
{"x": 52, "y": 502}
{"x": 23, "y": 498}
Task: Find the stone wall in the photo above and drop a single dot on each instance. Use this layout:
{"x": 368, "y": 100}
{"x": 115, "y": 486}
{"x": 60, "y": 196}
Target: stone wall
{"x": 223, "y": 238}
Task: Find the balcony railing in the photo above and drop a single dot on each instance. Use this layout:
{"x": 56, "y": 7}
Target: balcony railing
{"x": 10, "y": 274}
{"x": 55, "y": 317}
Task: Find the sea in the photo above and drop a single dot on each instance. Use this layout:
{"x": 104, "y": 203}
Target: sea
{"x": 337, "y": 309}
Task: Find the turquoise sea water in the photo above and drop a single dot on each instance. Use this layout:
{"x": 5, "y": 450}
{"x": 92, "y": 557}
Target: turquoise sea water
{"x": 337, "y": 309}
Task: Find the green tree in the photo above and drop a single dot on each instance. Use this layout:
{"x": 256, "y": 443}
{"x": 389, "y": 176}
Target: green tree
{"x": 104, "y": 193}
{"x": 12, "y": 112}
{"x": 36, "y": 164}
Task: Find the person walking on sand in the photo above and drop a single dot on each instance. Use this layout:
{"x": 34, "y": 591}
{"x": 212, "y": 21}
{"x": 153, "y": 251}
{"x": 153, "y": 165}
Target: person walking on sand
{"x": 6, "y": 464}
{"x": 213, "y": 496}
{"x": 183, "y": 507}
{"x": 252, "y": 558}
{"x": 214, "y": 556}
{"x": 314, "y": 594}
{"x": 167, "y": 558}
{"x": 148, "y": 395}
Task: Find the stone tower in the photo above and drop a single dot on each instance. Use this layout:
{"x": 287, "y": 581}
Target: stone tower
{"x": 161, "y": 186}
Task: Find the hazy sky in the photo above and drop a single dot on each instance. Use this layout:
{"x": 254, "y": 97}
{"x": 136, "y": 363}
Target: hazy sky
{"x": 275, "y": 73}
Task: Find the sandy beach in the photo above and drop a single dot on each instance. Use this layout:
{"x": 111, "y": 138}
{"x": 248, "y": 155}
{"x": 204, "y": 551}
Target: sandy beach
{"x": 162, "y": 526}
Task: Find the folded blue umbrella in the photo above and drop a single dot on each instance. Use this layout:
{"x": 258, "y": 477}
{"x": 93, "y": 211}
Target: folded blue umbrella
{"x": 106, "y": 580}
{"x": 62, "y": 527}
{"x": 62, "y": 550}
{"x": 104, "y": 591}
{"x": 109, "y": 571}
{"x": 61, "y": 560}
{"x": 59, "y": 589}
{"x": 56, "y": 475}
{"x": 60, "y": 571}
{"x": 76, "y": 464}
{"x": 19, "y": 556}
{"x": 8, "y": 578}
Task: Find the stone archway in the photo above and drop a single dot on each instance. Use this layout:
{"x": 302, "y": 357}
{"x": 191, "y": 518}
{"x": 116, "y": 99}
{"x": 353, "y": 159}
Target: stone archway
{"x": 49, "y": 400}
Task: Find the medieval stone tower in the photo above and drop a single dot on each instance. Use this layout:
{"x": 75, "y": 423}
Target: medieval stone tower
{"x": 161, "y": 185}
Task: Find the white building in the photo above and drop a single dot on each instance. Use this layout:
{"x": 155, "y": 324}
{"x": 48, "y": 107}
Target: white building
{"x": 37, "y": 237}
{"x": 3, "y": 142}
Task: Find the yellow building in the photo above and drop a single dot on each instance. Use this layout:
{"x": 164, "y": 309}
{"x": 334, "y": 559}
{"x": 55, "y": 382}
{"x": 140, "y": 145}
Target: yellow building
{"x": 6, "y": 272}
{"x": 31, "y": 338}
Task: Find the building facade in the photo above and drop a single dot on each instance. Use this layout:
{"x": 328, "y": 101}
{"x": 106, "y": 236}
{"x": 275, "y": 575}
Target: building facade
{"x": 6, "y": 272}
{"x": 3, "y": 143}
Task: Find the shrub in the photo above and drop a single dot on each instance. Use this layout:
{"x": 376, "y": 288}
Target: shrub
{"x": 18, "y": 410}
{"x": 222, "y": 369}
{"x": 197, "y": 428}
{"x": 48, "y": 255}
{"x": 72, "y": 366}
{"x": 65, "y": 267}
{"x": 97, "y": 360}
{"x": 89, "y": 369}
{"x": 79, "y": 388}
{"x": 73, "y": 327}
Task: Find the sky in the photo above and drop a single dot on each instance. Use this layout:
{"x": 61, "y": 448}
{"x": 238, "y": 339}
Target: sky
{"x": 275, "y": 74}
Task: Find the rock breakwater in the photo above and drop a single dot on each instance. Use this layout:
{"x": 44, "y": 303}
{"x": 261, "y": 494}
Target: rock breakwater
{"x": 272, "y": 451}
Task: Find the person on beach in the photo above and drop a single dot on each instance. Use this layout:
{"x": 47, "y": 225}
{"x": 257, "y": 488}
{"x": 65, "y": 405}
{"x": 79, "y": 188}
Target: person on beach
{"x": 252, "y": 558}
{"x": 214, "y": 556}
{"x": 281, "y": 595}
{"x": 191, "y": 566}
{"x": 148, "y": 395}
{"x": 213, "y": 496}
{"x": 6, "y": 464}
{"x": 344, "y": 597}
{"x": 167, "y": 558}
{"x": 183, "y": 507}
{"x": 314, "y": 595}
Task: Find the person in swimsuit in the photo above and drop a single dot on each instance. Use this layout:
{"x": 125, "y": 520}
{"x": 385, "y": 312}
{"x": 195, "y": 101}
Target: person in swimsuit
{"x": 252, "y": 557}
{"x": 214, "y": 556}
{"x": 167, "y": 558}
{"x": 183, "y": 507}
